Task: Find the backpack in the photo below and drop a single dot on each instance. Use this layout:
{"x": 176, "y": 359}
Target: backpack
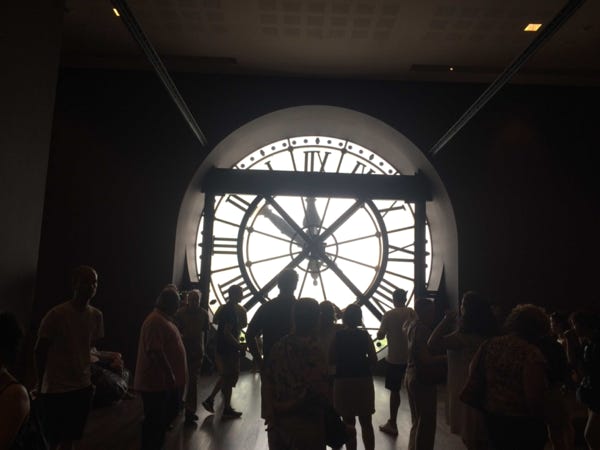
{"x": 31, "y": 436}
{"x": 110, "y": 387}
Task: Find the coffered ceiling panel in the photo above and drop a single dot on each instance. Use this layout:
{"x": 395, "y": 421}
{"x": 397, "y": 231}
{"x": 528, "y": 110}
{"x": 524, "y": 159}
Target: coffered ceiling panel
{"x": 375, "y": 39}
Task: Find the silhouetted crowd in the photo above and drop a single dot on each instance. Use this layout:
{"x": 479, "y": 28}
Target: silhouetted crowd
{"x": 511, "y": 382}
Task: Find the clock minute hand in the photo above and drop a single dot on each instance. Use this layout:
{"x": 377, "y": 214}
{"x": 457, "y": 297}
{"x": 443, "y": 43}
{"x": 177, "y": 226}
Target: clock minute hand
{"x": 312, "y": 221}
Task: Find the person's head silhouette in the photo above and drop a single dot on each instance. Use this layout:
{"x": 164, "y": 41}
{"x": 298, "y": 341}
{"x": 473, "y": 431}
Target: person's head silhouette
{"x": 235, "y": 293}
{"x": 399, "y": 298}
{"x": 287, "y": 281}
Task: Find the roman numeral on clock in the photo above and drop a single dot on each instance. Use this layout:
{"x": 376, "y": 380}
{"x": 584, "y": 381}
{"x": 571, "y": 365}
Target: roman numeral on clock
{"x": 239, "y": 280}
{"x": 312, "y": 158}
{"x": 385, "y": 293}
{"x": 394, "y": 207}
{"x": 238, "y": 202}
{"x": 405, "y": 249}
{"x": 361, "y": 169}
{"x": 224, "y": 246}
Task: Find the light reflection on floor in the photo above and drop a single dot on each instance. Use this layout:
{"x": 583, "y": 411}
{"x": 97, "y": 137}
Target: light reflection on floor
{"x": 117, "y": 427}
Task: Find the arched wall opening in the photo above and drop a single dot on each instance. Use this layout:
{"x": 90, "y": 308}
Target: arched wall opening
{"x": 340, "y": 123}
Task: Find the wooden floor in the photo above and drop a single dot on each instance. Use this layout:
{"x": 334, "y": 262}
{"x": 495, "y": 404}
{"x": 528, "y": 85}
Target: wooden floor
{"x": 118, "y": 427}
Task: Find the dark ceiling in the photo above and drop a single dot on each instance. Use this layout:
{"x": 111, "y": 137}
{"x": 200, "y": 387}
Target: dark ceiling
{"x": 373, "y": 39}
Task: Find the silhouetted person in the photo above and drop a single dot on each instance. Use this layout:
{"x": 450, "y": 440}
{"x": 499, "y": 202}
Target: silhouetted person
{"x": 14, "y": 399}
{"x": 228, "y": 351}
{"x": 422, "y": 392}
{"x": 396, "y": 359}
{"x": 192, "y": 321}
{"x": 476, "y": 324}
{"x": 242, "y": 322}
{"x": 556, "y": 413}
{"x": 515, "y": 381}
{"x": 160, "y": 372}
{"x": 354, "y": 356}
{"x": 62, "y": 354}
{"x": 567, "y": 338}
{"x": 327, "y": 330}
{"x": 184, "y": 299}
{"x": 296, "y": 388}
{"x": 273, "y": 320}
{"x": 587, "y": 327}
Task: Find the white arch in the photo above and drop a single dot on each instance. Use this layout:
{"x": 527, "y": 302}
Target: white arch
{"x": 318, "y": 120}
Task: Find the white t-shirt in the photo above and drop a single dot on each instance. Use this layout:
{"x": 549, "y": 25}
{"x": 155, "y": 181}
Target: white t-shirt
{"x": 391, "y": 326}
{"x": 71, "y": 333}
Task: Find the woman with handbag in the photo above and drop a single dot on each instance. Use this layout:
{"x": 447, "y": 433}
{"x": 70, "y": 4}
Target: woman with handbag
{"x": 476, "y": 324}
{"x": 354, "y": 356}
{"x": 507, "y": 381}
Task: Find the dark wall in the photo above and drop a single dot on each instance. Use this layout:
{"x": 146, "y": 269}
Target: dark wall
{"x": 520, "y": 176}
{"x": 30, "y": 47}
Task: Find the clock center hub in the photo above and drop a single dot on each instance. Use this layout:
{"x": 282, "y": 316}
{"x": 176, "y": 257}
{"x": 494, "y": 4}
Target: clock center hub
{"x": 317, "y": 249}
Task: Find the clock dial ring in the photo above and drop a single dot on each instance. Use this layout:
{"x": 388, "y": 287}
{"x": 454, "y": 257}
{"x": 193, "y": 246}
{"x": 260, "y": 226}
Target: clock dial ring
{"x": 307, "y": 154}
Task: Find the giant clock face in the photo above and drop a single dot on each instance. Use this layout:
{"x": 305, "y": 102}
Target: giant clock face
{"x": 343, "y": 249}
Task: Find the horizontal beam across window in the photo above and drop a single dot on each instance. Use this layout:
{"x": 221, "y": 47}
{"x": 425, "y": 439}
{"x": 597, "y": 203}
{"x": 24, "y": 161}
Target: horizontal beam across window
{"x": 409, "y": 188}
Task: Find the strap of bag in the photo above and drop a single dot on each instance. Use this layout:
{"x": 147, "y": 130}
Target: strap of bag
{"x": 480, "y": 355}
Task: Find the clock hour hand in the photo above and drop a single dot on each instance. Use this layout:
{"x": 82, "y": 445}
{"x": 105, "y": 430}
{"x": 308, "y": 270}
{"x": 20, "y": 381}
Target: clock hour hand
{"x": 281, "y": 225}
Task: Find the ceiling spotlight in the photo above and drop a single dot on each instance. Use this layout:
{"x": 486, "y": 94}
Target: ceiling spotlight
{"x": 532, "y": 27}
{"x": 451, "y": 69}
{"x": 116, "y": 11}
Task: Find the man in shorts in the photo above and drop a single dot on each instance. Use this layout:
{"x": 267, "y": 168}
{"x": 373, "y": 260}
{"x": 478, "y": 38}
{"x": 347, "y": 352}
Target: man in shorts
{"x": 228, "y": 352}
{"x": 62, "y": 354}
{"x": 391, "y": 327}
